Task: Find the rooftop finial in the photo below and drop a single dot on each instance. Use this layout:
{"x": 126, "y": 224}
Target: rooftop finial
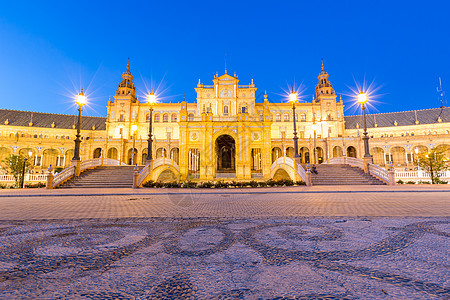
{"x": 265, "y": 95}
{"x": 184, "y": 97}
{"x": 322, "y": 64}
{"x": 128, "y": 65}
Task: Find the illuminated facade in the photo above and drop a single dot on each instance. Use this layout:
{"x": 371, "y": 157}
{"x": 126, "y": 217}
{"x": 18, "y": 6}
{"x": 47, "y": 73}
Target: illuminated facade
{"x": 225, "y": 133}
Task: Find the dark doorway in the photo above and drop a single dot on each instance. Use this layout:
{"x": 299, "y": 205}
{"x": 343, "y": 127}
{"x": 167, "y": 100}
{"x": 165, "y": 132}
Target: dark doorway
{"x": 225, "y": 153}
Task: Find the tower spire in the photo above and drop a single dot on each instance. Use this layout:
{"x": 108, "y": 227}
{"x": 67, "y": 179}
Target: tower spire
{"x": 322, "y": 64}
{"x": 128, "y": 65}
{"x": 225, "y": 63}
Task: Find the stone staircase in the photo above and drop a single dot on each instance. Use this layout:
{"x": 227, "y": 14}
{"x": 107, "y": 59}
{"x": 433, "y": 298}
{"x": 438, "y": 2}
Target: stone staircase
{"x": 104, "y": 177}
{"x": 341, "y": 174}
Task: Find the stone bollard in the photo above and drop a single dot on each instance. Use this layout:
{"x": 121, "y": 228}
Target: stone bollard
{"x": 49, "y": 178}
{"x": 135, "y": 177}
{"x": 308, "y": 175}
{"x": 391, "y": 174}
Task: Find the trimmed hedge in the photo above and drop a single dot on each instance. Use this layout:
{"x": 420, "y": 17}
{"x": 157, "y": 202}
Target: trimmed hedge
{"x": 222, "y": 184}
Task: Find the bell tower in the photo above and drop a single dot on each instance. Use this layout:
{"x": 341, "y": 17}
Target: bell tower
{"x": 324, "y": 87}
{"x": 126, "y": 89}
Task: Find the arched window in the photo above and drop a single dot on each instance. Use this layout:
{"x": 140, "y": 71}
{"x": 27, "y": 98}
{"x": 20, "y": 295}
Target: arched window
{"x": 157, "y": 118}
{"x": 302, "y": 117}
{"x": 147, "y": 117}
{"x": 225, "y": 110}
{"x": 278, "y": 118}
{"x": 166, "y": 118}
{"x": 191, "y": 117}
{"x": 286, "y": 117}
{"x": 174, "y": 118}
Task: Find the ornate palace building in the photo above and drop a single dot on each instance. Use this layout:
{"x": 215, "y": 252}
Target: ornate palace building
{"x": 225, "y": 133}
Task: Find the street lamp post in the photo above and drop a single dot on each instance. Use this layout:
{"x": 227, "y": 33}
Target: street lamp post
{"x": 362, "y": 99}
{"x": 23, "y": 168}
{"x": 151, "y": 101}
{"x": 293, "y": 99}
{"x": 314, "y": 128}
{"x": 416, "y": 150}
{"x": 133, "y": 130}
{"x": 81, "y": 100}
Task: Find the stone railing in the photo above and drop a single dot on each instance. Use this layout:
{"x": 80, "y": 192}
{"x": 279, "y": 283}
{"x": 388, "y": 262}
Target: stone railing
{"x": 162, "y": 161}
{"x": 379, "y": 172}
{"x": 374, "y": 170}
{"x": 62, "y": 176}
{"x": 282, "y": 160}
{"x": 420, "y": 175}
{"x": 143, "y": 174}
{"x": 302, "y": 172}
{"x": 27, "y": 178}
{"x": 69, "y": 172}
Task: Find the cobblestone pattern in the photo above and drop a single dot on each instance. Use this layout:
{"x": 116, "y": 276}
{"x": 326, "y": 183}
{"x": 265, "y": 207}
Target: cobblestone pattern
{"x": 225, "y": 258}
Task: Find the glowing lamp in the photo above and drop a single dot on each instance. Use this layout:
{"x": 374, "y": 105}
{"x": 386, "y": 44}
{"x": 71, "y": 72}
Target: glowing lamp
{"x": 30, "y": 153}
{"x": 362, "y": 97}
{"x": 151, "y": 98}
{"x": 293, "y": 96}
{"x": 416, "y": 150}
{"x": 81, "y": 98}
{"x": 314, "y": 127}
{"x": 134, "y": 127}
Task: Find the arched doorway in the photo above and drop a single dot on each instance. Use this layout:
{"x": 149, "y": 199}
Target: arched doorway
{"x": 398, "y": 156}
{"x": 130, "y": 156}
{"x": 112, "y": 153}
{"x": 144, "y": 156}
{"x": 337, "y": 151}
{"x": 378, "y": 156}
{"x": 319, "y": 155}
{"x": 161, "y": 152}
{"x": 225, "y": 153}
{"x": 174, "y": 154}
{"x": 97, "y": 152}
{"x": 351, "y": 151}
{"x": 276, "y": 153}
{"x": 304, "y": 155}
{"x": 290, "y": 152}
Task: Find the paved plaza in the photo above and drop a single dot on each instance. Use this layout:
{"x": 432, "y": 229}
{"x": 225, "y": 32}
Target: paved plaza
{"x": 275, "y": 243}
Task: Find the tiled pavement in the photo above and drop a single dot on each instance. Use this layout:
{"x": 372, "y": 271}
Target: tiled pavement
{"x": 289, "y": 243}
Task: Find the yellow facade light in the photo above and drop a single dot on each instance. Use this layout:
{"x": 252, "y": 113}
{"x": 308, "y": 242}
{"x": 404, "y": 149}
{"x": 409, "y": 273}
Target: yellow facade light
{"x": 81, "y": 98}
{"x": 134, "y": 128}
{"x": 362, "y": 97}
{"x": 151, "y": 98}
{"x": 293, "y": 96}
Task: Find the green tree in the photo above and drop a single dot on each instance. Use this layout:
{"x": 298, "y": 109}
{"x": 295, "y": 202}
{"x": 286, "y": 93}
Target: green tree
{"x": 15, "y": 164}
{"x": 434, "y": 162}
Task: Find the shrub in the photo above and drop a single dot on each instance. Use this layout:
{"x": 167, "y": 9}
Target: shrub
{"x": 400, "y": 181}
{"x": 410, "y": 182}
{"x": 300, "y": 182}
{"x": 149, "y": 184}
{"x": 262, "y": 184}
{"x": 58, "y": 169}
{"x": 221, "y": 184}
{"x": 173, "y": 184}
{"x": 189, "y": 185}
{"x": 253, "y": 184}
{"x": 424, "y": 182}
{"x": 159, "y": 184}
{"x": 271, "y": 182}
{"x": 34, "y": 185}
{"x": 206, "y": 185}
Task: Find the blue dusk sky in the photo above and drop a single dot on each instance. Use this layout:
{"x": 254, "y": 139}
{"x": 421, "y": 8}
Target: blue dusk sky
{"x": 51, "y": 49}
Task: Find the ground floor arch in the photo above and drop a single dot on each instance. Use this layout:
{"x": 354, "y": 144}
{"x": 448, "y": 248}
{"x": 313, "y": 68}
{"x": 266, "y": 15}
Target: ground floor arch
{"x": 398, "y": 155}
{"x": 304, "y": 155}
{"x": 351, "y": 151}
{"x": 225, "y": 154}
{"x": 281, "y": 174}
{"x": 161, "y": 152}
{"x": 290, "y": 152}
{"x": 337, "y": 151}
{"x": 97, "y": 153}
{"x": 276, "y": 153}
{"x": 132, "y": 160}
{"x": 113, "y": 153}
{"x": 378, "y": 156}
{"x": 175, "y": 154}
